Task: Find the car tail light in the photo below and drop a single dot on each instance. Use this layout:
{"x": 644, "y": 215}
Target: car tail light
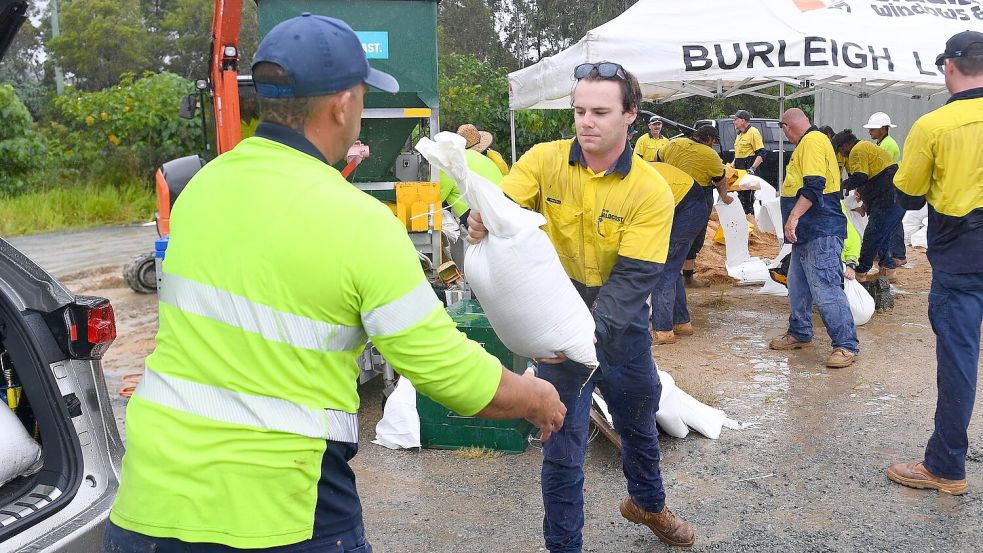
{"x": 91, "y": 327}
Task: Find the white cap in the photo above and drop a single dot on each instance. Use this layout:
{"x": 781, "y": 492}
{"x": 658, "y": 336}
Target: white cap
{"x": 878, "y": 120}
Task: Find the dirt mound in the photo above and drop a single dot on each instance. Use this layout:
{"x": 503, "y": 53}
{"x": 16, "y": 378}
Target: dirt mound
{"x": 711, "y": 263}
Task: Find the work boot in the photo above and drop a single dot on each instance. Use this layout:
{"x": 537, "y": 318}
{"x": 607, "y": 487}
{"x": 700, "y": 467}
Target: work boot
{"x": 841, "y": 358}
{"x": 671, "y": 529}
{"x": 787, "y": 342}
{"x": 915, "y": 475}
{"x": 662, "y": 337}
{"x": 683, "y": 329}
{"x": 692, "y": 281}
{"x": 866, "y": 277}
{"x": 889, "y": 274}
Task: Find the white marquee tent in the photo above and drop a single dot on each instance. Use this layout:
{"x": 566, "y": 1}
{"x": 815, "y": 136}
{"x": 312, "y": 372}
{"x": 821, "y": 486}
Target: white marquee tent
{"x": 722, "y": 48}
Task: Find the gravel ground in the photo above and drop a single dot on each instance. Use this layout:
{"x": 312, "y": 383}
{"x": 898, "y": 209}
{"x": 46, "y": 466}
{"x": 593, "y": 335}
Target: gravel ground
{"x": 806, "y": 474}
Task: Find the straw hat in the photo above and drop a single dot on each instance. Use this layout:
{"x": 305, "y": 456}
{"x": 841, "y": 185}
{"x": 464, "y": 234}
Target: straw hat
{"x": 476, "y": 140}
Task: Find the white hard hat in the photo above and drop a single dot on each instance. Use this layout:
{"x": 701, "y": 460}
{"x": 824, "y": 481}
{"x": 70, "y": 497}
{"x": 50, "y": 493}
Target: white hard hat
{"x": 878, "y": 120}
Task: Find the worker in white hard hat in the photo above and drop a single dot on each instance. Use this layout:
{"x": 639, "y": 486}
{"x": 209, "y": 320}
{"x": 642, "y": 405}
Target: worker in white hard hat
{"x": 878, "y": 126}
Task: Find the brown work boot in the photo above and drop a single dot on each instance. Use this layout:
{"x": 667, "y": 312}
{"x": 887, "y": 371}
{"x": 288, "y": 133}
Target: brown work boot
{"x": 662, "y": 337}
{"x": 683, "y": 329}
{"x": 667, "y": 526}
{"x": 695, "y": 282}
{"x": 915, "y": 475}
{"x": 841, "y": 358}
{"x": 866, "y": 277}
{"x": 887, "y": 273}
{"x": 787, "y": 342}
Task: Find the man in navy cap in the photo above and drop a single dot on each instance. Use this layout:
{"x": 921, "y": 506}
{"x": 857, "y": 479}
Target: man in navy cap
{"x": 241, "y": 430}
{"x": 943, "y": 165}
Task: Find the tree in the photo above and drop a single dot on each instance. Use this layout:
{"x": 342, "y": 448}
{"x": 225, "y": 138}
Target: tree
{"x": 23, "y": 68}
{"x": 468, "y": 27}
{"x": 100, "y": 40}
{"x": 537, "y": 28}
{"x": 21, "y": 148}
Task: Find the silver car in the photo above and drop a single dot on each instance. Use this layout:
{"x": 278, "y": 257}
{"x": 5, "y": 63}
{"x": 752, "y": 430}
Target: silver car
{"x": 51, "y": 378}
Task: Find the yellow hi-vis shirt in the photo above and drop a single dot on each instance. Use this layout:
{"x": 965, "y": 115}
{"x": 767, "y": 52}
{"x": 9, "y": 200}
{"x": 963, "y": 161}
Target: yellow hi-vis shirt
{"x": 944, "y": 163}
{"x": 698, "y": 160}
{"x": 646, "y": 146}
{"x": 679, "y": 181}
{"x": 498, "y": 160}
{"x": 868, "y": 158}
{"x": 592, "y": 218}
{"x": 748, "y": 143}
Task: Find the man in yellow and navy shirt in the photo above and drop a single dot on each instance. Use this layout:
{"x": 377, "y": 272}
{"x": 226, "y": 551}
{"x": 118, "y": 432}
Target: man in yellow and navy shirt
{"x": 749, "y": 153}
{"x": 697, "y": 158}
{"x": 648, "y": 144}
{"x": 240, "y": 433}
{"x": 943, "y": 165}
{"x": 871, "y": 173}
{"x": 670, "y": 313}
{"x": 816, "y": 227}
{"x": 609, "y": 215}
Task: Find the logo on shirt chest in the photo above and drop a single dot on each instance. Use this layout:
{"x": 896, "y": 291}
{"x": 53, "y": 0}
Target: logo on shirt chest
{"x": 605, "y": 214}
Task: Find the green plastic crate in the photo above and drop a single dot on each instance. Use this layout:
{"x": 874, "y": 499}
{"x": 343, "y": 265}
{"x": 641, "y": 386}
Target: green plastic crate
{"x": 442, "y": 428}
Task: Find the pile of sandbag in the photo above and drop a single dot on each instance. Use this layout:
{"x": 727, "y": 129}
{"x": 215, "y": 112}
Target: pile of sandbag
{"x": 915, "y": 224}
{"x": 515, "y": 272}
{"x": 680, "y": 412}
{"x": 20, "y": 455}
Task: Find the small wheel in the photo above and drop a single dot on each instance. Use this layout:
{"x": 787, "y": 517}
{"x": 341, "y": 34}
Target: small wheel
{"x": 141, "y": 274}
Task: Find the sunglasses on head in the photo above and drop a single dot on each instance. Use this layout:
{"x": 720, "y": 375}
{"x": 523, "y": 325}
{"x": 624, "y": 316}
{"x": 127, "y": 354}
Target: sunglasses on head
{"x": 604, "y": 70}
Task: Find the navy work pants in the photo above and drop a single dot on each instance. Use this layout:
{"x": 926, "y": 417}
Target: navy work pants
{"x": 955, "y": 308}
{"x": 882, "y": 225}
{"x": 669, "y": 294}
{"x": 814, "y": 277}
{"x": 631, "y": 389}
{"x": 118, "y": 540}
{"x": 701, "y": 236}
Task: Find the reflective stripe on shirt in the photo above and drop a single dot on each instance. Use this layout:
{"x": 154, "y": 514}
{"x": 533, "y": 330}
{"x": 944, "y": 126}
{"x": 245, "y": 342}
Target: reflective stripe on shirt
{"x": 402, "y": 313}
{"x": 268, "y": 413}
{"x": 277, "y": 326}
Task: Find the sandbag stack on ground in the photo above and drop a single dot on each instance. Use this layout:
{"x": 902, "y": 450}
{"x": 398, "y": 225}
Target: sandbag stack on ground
{"x": 515, "y": 272}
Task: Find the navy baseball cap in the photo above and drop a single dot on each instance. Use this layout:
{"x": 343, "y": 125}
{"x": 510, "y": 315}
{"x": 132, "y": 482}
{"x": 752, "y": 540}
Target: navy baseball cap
{"x": 321, "y": 55}
{"x": 961, "y": 45}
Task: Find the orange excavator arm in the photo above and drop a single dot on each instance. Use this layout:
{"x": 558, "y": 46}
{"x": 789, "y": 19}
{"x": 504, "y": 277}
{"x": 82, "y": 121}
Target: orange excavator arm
{"x": 224, "y": 70}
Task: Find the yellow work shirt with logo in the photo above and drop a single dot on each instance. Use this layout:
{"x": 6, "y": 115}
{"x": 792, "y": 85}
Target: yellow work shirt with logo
{"x": 697, "y": 160}
{"x": 592, "y": 218}
{"x": 646, "y": 146}
{"x": 748, "y": 143}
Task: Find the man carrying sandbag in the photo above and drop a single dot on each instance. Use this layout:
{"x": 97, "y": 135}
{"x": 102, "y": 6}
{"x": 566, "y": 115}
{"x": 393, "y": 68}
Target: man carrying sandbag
{"x": 609, "y": 216}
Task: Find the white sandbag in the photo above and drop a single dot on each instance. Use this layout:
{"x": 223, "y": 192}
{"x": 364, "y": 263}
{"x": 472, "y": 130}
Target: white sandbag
{"x": 450, "y": 227}
{"x": 679, "y": 412}
{"x": 740, "y": 264}
{"x": 20, "y": 455}
{"x": 913, "y": 222}
{"x": 515, "y": 272}
{"x": 919, "y": 238}
{"x": 861, "y": 302}
{"x": 859, "y": 221}
{"x": 669, "y": 416}
{"x": 400, "y": 424}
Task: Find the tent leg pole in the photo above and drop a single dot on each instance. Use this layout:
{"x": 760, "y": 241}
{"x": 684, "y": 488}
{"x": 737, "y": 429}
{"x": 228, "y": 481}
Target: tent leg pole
{"x": 512, "y": 128}
{"x": 781, "y": 136}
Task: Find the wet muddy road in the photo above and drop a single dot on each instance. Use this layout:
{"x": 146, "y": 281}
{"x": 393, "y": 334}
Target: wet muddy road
{"x": 807, "y": 474}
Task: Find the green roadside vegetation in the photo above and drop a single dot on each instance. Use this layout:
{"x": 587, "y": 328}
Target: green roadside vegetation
{"x": 75, "y": 208}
